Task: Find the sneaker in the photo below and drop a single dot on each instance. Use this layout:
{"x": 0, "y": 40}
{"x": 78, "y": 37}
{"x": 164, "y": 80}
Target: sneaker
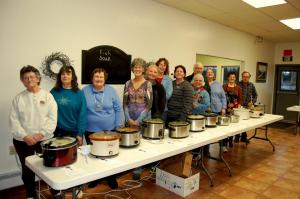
{"x": 225, "y": 149}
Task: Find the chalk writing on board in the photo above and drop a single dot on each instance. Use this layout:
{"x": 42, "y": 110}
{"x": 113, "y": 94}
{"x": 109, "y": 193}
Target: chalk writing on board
{"x": 105, "y": 55}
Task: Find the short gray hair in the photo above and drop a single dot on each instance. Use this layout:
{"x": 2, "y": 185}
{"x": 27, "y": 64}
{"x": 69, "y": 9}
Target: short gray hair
{"x": 198, "y": 75}
{"x": 138, "y": 61}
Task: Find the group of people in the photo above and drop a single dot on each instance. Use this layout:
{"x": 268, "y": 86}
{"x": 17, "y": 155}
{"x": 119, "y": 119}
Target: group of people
{"x": 37, "y": 115}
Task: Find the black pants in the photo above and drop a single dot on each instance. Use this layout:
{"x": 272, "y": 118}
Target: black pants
{"x": 23, "y": 150}
{"x": 111, "y": 180}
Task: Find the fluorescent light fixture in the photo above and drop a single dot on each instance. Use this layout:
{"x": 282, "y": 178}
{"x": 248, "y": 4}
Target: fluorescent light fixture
{"x": 292, "y": 23}
{"x": 264, "y": 3}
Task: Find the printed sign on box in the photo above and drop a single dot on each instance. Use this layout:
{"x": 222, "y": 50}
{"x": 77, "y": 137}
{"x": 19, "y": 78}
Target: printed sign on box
{"x": 176, "y": 184}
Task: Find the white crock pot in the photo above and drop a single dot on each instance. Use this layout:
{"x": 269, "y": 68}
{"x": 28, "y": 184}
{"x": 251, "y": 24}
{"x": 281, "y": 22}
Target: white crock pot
{"x": 242, "y": 112}
{"x": 105, "y": 144}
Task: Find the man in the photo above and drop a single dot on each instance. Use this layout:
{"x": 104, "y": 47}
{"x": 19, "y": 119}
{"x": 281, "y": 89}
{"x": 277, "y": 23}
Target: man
{"x": 249, "y": 97}
{"x": 198, "y": 68}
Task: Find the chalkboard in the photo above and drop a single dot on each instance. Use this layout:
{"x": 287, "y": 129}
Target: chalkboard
{"x": 113, "y": 60}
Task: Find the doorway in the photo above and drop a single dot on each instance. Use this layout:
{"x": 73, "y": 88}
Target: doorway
{"x": 287, "y": 90}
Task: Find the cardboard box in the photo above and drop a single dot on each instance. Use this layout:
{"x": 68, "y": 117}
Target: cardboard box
{"x": 178, "y": 185}
{"x": 179, "y": 165}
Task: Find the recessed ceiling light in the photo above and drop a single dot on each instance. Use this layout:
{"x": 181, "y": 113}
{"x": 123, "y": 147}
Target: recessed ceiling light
{"x": 292, "y": 23}
{"x": 264, "y": 3}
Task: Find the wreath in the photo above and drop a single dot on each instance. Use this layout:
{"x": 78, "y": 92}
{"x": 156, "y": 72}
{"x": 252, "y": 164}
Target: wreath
{"x": 57, "y": 58}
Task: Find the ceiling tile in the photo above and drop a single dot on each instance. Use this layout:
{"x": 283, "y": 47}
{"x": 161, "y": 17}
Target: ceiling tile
{"x": 284, "y": 11}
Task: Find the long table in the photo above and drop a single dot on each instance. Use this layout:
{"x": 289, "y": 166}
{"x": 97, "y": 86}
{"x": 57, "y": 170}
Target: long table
{"x": 87, "y": 169}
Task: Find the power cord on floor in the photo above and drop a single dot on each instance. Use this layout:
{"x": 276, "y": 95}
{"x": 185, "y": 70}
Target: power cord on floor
{"x": 127, "y": 184}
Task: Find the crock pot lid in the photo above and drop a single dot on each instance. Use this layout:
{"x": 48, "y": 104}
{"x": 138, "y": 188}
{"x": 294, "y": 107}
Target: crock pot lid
{"x": 60, "y": 141}
{"x": 210, "y": 115}
{"x": 104, "y": 136}
{"x": 153, "y": 120}
{"x": 197, "y": 117}
{"x": 127, "y": 130}
{"x": 178, "y": 123}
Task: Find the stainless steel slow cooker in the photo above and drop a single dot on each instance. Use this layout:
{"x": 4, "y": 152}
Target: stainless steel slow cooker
{"x": 153, "y": 128}
{"x": 179, "y": 129}
{"x": 223, "y": 120}
{"x": 105, "y": 144}
{"x": 211, "y": 119}
{"x": 59, "y": 151}
{"x": 129, "y": 137}
{"x": 197, "y": 122}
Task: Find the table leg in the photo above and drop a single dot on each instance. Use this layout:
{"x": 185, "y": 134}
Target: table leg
{"x": 221, "y": 157}
{"x": 204, "y": 168}
{"x": 266, "y": 136}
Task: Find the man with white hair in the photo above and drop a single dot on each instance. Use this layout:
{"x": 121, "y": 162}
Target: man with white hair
{"x": 198, "y": 69}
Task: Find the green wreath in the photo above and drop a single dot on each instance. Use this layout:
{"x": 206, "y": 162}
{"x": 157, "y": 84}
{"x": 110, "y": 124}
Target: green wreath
{"x": 57, "y": 57}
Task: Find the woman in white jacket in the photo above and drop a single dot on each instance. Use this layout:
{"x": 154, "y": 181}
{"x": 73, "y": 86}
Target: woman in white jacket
{"x": 32, "y": 119}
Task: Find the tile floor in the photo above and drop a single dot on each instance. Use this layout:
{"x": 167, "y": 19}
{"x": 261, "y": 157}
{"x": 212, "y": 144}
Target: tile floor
{"x": 258, "y": 173}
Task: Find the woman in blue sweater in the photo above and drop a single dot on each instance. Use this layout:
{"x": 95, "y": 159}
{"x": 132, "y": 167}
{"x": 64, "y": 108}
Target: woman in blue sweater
{"x": 71, "y": 105}
{"x": 103, "y": 111}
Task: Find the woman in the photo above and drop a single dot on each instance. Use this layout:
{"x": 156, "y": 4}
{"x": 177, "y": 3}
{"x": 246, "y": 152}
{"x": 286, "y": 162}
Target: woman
{"x": 234, "y": 98}
{"x": 137, "y": 100}
{"x": 218, "y": 102}
{"x": 71, "y": 105}
{"x": 201, "y": 97}
{"x": 180, "y": 103}
{"x": 165, "y": 80}
{"x": 32, "y": 119}
{"x": 159, "y": 94}
{"x": 103, "y": 111}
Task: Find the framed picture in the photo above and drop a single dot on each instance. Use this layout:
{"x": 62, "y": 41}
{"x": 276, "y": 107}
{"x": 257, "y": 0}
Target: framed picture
{"x": 229, "y": 69}
{"x": 261, "y": 72}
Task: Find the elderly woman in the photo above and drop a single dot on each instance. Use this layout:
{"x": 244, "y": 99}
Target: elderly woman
{"x": 218, "y": 101}
{"x": 137, "y": 100}
{"x": 71, "y": 105}
{"x": 180, "y": 103}
{"x": 165, "y": 80}
{"x": 32, "y": 119}
{"x": 103, "y": 111}
{"x": 201, "y": 97}
{"x": 159, "y": 94}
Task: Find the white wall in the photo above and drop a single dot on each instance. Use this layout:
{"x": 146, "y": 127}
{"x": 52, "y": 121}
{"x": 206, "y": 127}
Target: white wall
{"x": 33, "y": 29}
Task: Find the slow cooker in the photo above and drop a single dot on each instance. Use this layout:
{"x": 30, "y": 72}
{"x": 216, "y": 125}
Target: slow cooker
{"x": 129, "y": 137}
{"x": 242, "y": 112}
{"x": 223, "y": 120}
{"x": 211, "y": 119}
{"x": 197, "y": 122}
{"x": 59, "y": 151}
{"x": 153, "y": 128}
{"x": 105, "y": 144}
{"x": 178, "y": 129}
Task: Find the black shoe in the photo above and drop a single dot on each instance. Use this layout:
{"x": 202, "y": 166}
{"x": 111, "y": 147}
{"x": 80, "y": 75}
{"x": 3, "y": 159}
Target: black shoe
{"x": 236, "y": 138}
{"x": 136, "y": 176}
{"x": 93, "y": 184}
{"x": 244, "y": 139}
{"x": 112, "y": 182}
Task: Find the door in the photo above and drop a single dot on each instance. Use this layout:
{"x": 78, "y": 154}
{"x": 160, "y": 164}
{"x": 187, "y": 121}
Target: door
{"x": 287, "y": 90}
